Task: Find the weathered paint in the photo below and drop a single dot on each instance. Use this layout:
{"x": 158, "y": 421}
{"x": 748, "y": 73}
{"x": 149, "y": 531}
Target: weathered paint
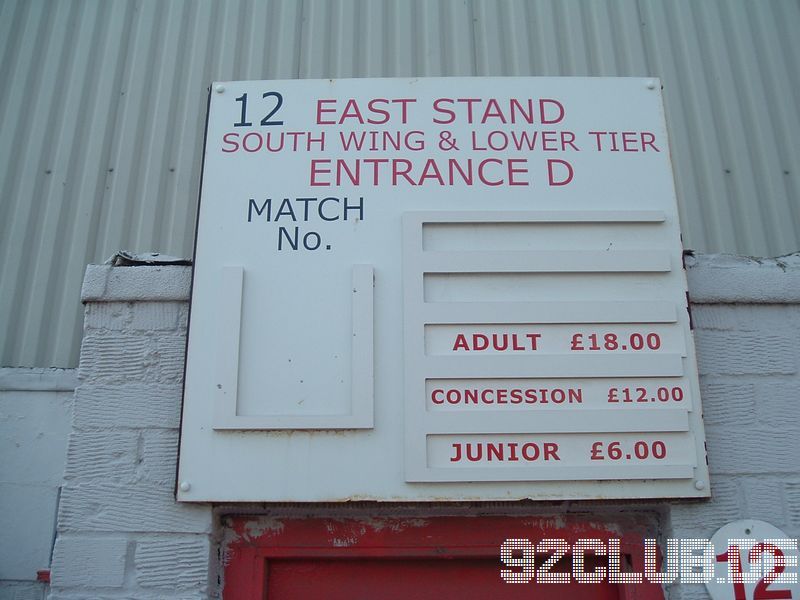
{"x": 309, "y": 545}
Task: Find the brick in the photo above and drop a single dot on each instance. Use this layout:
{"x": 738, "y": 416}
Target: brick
{"x": 107, "y": 283}
{"x": 108, "y": 315}
{"x": 180, "y": 562}
{"x": 115, "y": 357}
{"x": 727, "y": 278}
{"x": 141, "y": 507}
{"x": 128, "y": 405}
{"x": 89, "y": 561}
{"x": 778, "y": 403}
{"x": 700, "y": 519}
{"x": 764, "y": 500}
{"x": 745, "y": 449}
{"x": 170, "y": 355}
{"x": 728, "y": 403}
{"x": 183, "y": 315}
{"x": 791, "y": 492}
{"x": 741, "y": 317}
{"x": 102, "y": 455}
{"x": 159, "y": 456}
{"x": 736, "y": 353}
{"x": 688, "y": 591}
{"x": 155, "y": 316}
{"x": 715, "y": 316}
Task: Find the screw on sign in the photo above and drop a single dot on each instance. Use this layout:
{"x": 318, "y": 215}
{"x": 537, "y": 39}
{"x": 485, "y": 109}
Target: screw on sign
{"x": 753, "y": 560}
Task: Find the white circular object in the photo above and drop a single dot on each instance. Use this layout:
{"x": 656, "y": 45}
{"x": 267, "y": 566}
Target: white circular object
{"x": 185, "y": 486}
{"x": 753, "y": 544}
{"x": 220, "y": 89}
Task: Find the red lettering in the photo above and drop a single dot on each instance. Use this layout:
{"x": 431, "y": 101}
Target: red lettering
{"x": 469, "y": 102}
{"x": 232, "y": 142}
{"x": 513, "y": 170}
{"x": 516, "y": 106}
{"x": 479, "y": 342}
{"x": 568, "y": 139}
{"x": 493, "y": 111}
{"x": 495, "y": 450}
{"x": 461, "y": 343}
{"x": 401, "y": 168}
{"x": 404, "y": 102}
{"x": 534, "y": 338}
{"x": 354, "y": 176}
{"x": 431, "y": 171}
{"x": 451, "y": 116}
{"x": 629, "y": 142}
{"x": 559, "y": 111}
{"x": 648, "y": 139}
{"x": 375, "y": 162}
{"x": 247, "y": 137}
{"x": 483, "y": 178}
{"x": 613, "y": 135}
{"x": 317, "y": 169}
{"x": 551, "y": 451}
{"x": 530, "y": 451}
{"x": 371, "y": 105}
{"x": 549, "y": 141}
{"x": 474, "y": 456}
{"x": 597, "y": 135}
{"x": 551, "y": 174}
{"x": 321, "y": 110}
{"x": 351, "y": 111}
{"x": 457, "y": 454}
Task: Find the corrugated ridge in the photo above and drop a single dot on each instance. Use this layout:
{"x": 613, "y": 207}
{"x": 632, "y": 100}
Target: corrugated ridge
{"x": 103, "y": 112}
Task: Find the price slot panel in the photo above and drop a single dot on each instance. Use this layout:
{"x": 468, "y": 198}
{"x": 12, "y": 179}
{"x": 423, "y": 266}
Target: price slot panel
{"x": 546, "y": 346}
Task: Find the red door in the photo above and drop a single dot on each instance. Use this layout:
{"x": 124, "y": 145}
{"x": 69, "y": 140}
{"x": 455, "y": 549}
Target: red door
{"x": 413, "y": 558}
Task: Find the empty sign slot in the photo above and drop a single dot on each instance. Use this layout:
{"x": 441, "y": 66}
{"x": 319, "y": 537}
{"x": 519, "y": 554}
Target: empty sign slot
{"x": 453, "y": 237}
{"x": 550, "y": 287}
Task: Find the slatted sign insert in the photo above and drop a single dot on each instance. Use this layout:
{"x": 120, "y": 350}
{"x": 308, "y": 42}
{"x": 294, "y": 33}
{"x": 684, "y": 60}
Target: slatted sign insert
{"x": 533, "y": 352}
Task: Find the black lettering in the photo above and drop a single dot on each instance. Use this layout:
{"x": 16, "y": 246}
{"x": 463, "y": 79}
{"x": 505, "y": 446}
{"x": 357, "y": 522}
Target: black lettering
{"x": 259, "y": 211}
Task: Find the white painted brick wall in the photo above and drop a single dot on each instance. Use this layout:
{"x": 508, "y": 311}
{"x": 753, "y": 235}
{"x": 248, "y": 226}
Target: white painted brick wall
{"x": 132, "y": 404}
{"x": 746, "y": 314}
{"x": 120, "y": 532}
{"x": 89, "y": 562}
{"x": 179, "y": 563}
{"x": 118, "y": 500}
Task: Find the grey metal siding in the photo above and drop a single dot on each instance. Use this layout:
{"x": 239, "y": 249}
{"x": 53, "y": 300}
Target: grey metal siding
{"x": 102, "y": 111}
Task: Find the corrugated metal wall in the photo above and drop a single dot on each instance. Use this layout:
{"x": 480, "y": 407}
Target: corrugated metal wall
{"x": 102, "y": 111}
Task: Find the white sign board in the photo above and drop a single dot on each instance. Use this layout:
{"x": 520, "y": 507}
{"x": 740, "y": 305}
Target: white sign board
{"x": 427, "y": 289}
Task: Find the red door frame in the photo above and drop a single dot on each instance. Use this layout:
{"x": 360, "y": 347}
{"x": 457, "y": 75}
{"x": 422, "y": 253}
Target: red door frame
{"x": 254, "y": 540}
